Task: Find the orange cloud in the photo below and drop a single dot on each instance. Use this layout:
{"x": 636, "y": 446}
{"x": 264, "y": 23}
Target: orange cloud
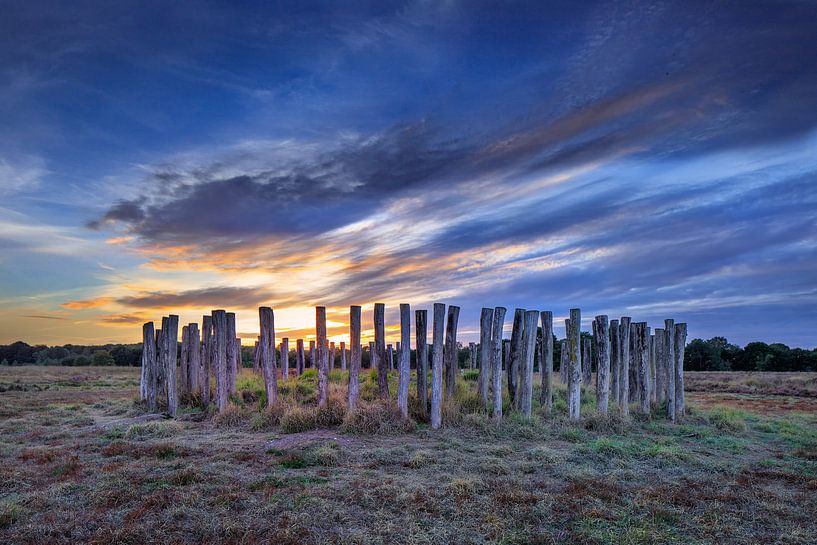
{"x": 88, "y": 303}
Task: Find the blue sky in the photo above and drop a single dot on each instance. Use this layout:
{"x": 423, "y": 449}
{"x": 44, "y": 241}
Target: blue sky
{"x": 650, "y": 159}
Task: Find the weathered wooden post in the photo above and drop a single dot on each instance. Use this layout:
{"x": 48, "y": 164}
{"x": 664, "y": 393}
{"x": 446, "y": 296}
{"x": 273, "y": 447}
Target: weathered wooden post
{"x": 299, "y": 358}
{"x": 451, "y": 354}
{"x": 285, "y": 358}
{"x": 232, "y": 354}
{"x": 615, "y": 352}
{"x": 497, "y": 325}
{"x": 546, "y": 317}
{"x": 161, "y": 357}
{"x": 642, "y": 344}
{"x": 256, "y": 362}
{"x": 526, "y": 370}
{"x": 624, "y": 365}
{"x": 312, "y": 355}
{"x": 486, "y": 318}
{"x": 184, "y": 362}
{"x": 564, "y": 360}
{"x": 331, "y": 355}
{"x": 149, "y": 363}
{"x": 516, "y": 355}
{"x": 220, "y": 339}
{"x": 653, "y": 375}
{"x": 404, "y": 367}
{"x": 171, "y": 337}
{"x": 323, "y": 356}
{"x": 587, "y": 372}
{"x": 472, "y": 356}
{"x": 193, "y": 358}
{"x": 266, "y": 348}
{"x": 421, "y": 346}
{"x": 372, "y": 356}
{"x": 669, "y": 366}
{"x": 574, "y": 386}
{"x": 380, "y": 349}
{"x": 602, "y": 337}
{"x": 342, "y": 355}
{"x": 680, "y": 339}
{"x": 355, "y": 356}
{"x": 206, "y": 359}
{"x": 390, "y": 352}
{"x": 437, "y": 365}
{"x": 660, "y": 370}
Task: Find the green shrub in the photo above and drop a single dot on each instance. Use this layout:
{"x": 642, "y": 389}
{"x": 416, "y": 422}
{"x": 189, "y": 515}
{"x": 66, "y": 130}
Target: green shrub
{"x": 471, "y": 375}
{"x": 728, "y": 420}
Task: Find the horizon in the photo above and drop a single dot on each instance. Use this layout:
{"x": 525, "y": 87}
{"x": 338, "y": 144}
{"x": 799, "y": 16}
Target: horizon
{"x": 653, "y": 163}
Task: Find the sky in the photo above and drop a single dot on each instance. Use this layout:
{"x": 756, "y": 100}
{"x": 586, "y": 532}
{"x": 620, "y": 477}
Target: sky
{"x": 648, "y": 159}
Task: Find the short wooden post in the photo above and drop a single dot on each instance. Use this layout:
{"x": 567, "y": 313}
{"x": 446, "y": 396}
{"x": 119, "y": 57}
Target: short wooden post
{"x": 486, "y": 318}
{"x": 587, "y": 372}
{"x": 497, "y": 326}
{"x": 285, "y": 358}
{"x": 380, "y": 349}
{"x": 601, "y": 334}
{"x": 184, "y": 362}
{"x": 331, "y": 355}
{"x": 355, "y": 356}
{"x": 194, "y": 357}
{"x": 437, "y": 364}
{"x": 669, "y": 366}
{"x": 232, "y": 354}
{"x": 150, "y": 364}
{"x": 404, "y": 366}
{"x": 546, "y": 318}
{"x": 372, "y": 355}
{"x": 256, "y": 362}
{"x": 516, "y": 355}
{"x": 299, "y": 358}
{"x": 342, "y": 355}
{"x": 452, "y": 364}
{"x": 642, "y": 344}
{"x": 390, "y": 352}
{"x": 615, "y": 352}
{"x": 680, "y": 339}
{"x": 421, "y": 347}
{"x": 472, "y": 356}
{"x": 323, "y": 356}
{"x": 574, "y": 386}
{"x": 624, "y": 365}
{"x": 526, "y": 370}
{"x": 266, "y": 348}
{"x": 312, "y": 355}
{"x": 206, "y": 359}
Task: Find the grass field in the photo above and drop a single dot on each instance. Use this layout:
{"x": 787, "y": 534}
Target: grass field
{"x": 79, "y": 463}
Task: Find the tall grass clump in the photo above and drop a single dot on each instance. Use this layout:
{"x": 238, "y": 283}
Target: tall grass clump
{"x": 377, "y": 418}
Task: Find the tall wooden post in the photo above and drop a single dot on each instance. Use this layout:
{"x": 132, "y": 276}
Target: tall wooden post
{"x": 602, "y": 337}
{"x": 451, "y": 355}
{"x": 323, "y": 356}
{"x": 355, "y": 356}
{"x": 232, "y": 354}
{"x": 312, "y": 355}
{"x": 150, "y": 364}
{"x": 564, "y": 360}
{"x": 331, "y": 355}
{"x": 171, "y": 337}
{"x": 653, "y": 376}
{"x": 390, "y": 352}
{"x": 266, "y": 348}
{"x": 615, "y": 352}
{"x": 526, "y": 371}
{"x": 380, "y": 349}
{"x": 285, "y": 358}
{"x": 220, "y": 340}
{"x": 624, "y": 365}
{"x": 299, "y": 358}
{"x": 669, "y": 366}
{"x": 516, "y": 356}
{"x": 546, "y": 317}
{"x": 161, "y": 360}
{"x": 342, "y": 355}
{"x": 642, "y": 358}
{"x": 421, "y": 347}
{"x": 660, "y": 369}
{"x": 574, "y": 386}
{"x": 587, "y": 372}
{"x": 193, "y": 357}
{"x": 680, "y": 339}
{"x": 404, "y": 367}
{"x": 486, "y": 318}
{"x": 256, "y": 362}
{"x": 497, "y": 326}
{"x": 207, "y": 359}
{"x": 184, "y": 362}
{"x": 437, "y": 365}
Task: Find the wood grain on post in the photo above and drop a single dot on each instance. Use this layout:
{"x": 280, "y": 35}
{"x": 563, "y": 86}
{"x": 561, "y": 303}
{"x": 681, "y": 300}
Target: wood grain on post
{"x": 472, "y": 356}
{"x": 232, "y": 354}
{"x": 355, "y": 357}
{"x": 404, "y": 366}
{"x": 193, "y": 357}
{"x": 184, "y": 362}
{"x": 266, "y": 349}
{"x": 660, "y": 370}
{"x": 299, "y": 358}
{"x": 171, "y": 337}
{"x": 602, "y": 337}
{"x": 486, "y": 318}
{"x": 497, "y": 327}
{"x": 669, "y": 366}
{"x": 642, "y": 358}
{"x": 525, "y": 392}
{"x": 587, "y": 372}
{"x": 312, "y": 355}
{"x": 331, "y": 355}
{"x": 546, "y": 318}
{"x": 380, "y": 349}
{"x": 421, "y": 346}
{"x": 615, "y": 351}
{"x": 438, "y": 325}
{"x": 680, "y": 339}
{"x": 285, "y": 358}
{"x": 390, "y": 352}
{"x": 161, "y": 360}
{"x": 564, "y": 360}
{"x": 323, "y": 356}
{"x": 220, "y": 338}
{"x": 343, "y": 356}
{"x": 451, "y": 355}
{"x": 207, "y": 359}
{"x": 653, "y": 377}
{"x": 516, "y": 355}
{"x": 149, "y": 361}
{"x": 574, "y": 386}
{"x": 624, "y": 365}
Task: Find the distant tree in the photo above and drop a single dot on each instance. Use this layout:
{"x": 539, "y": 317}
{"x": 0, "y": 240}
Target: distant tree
{"x": 103, "y": 357}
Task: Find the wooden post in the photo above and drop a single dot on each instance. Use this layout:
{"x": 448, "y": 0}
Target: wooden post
{"x": 680, "y": 339}
{"x": 193, "y": 358}
{"x": 232, "y": 354}
{"x": 574, "y": 386}
{"x": 390, "y": 352}
{"x": 171, "y": 337}
{"x": 653, "y": 376}
{"x": 285, "y": 358}
{"x": 342, "y": 355}
{"x": 486, "y": 318}
{"x": 380, "y": 349}
{"x": 331, "y": 355}
{"x": 472, "y": 356}
{"x": 355, "y": 356}
{"x": 660, "y": 370}
{"x": 184, "y": 362}
{"x": 564, "y": 361}
{"x": 497, "y": 326}
{"x": 323, "y": 356}
{"x": 421, "y": 346}
{"x": 525, "y": 392}
{"x": 372, "y": 356}
{"x": 206, "y": 359}
{"x": 516, "y": 356}
{"x": 669, "y": 366}
{"x": 624, "y": 365}
{"x": 452, "y": 364}
{"x": 312, "y": 355}
{"x": 149, "y": 363}
{"x": 256, "y": 362}
{"x": 161, "y": 357}
{"x": 601, "y": 334}
{"x": 404, "y": 366}
{"x": 635, "y": 384}
{"x": 546, "y": 317}
{"x": 587, "y": 372}
{"x": 437, "y": 365}
{"x": 642, "y": 359}
{"x": 299, "y": 358}
{"x": 615, "y": 351}
{"x": 266, "y": 349}
{"x": 220, "y": 358}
